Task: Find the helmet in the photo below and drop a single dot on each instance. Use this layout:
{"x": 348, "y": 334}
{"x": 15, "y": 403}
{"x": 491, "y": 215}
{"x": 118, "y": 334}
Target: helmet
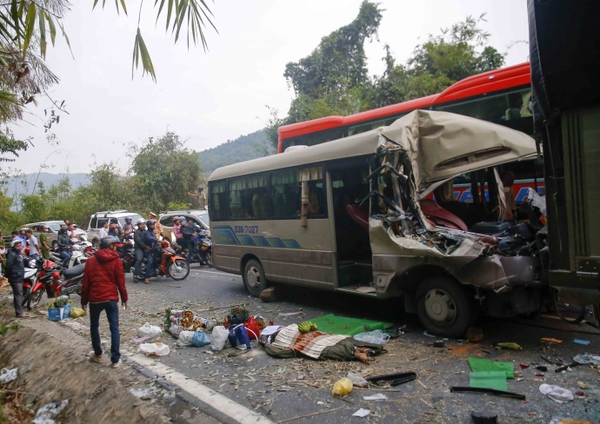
{"x": 127, "y": 219}
{"x": 15, "y": 242}
{"x": 150, "y": 222}
{"x": 181, "y": 218}
{"x": 140, "y": 221}
{"x": 200, "y": 188}
{"x": 63, "y": 230}
{"x": 109, "y": 240}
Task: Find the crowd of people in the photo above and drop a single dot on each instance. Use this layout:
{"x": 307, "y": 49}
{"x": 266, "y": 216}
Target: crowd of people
{"x": 103, "y": 281}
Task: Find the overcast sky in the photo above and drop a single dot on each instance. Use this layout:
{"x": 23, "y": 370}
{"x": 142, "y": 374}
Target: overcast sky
{"x": 209, "y": 98}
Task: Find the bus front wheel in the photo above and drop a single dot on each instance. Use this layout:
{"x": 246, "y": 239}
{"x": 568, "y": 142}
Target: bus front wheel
{"x": 254, "y": 277}
{"x": 443, "y": 307}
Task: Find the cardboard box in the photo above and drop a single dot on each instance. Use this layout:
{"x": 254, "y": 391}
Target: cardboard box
{"x": 58, "y": 314}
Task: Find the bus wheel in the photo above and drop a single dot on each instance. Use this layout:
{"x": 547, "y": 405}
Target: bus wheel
{"x": 254, "y": 278}
{"x": 443, "y": 307}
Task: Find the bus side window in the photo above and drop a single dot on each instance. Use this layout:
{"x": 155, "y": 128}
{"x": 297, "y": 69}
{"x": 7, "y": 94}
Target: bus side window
{"x": 217, "y": 200}
{"x": 285, "y": 194}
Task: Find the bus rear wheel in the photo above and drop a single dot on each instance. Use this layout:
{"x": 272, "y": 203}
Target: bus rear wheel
{"x": 254, "y": 278}
{"x": 443, "y": 307}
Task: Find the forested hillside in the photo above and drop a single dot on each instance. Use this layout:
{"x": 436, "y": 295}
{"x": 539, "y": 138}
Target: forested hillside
{"x": 243, "y": 148}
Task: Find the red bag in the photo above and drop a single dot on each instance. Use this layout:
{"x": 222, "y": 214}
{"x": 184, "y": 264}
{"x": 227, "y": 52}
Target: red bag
{"x": 252, "y": 325}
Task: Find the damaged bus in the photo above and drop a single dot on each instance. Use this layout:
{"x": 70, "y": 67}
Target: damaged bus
{"x": 355, "y": 215}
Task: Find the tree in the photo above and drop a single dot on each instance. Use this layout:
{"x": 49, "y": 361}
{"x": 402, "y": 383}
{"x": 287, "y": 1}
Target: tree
{"x": 331, "y": 78}
{"x": 28, "y": 26}
{"x": 455, "y": 54}
{"x": 164, "y": 171}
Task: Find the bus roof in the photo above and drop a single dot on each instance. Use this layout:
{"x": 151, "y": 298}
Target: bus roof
{"x": 441, "y": 145}
{"x": 477, "y": 85}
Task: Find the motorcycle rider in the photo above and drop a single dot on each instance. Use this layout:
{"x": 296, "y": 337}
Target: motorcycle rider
{"x": 64, "y": 246}
{"x": 140, "y": 247}
{"x": 177, "y": 231}
{"x": 15, "y": 271}
{"x": 128, "y": 228}
{"x": 151, "y": 242}
{"x": 187, "y": 230}
{"x": 157, "y": 227}
{"x": 113, "y": 231}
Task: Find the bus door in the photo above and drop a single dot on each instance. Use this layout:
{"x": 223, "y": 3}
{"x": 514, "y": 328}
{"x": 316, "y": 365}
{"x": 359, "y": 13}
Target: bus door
{"x": 349, "y": 188}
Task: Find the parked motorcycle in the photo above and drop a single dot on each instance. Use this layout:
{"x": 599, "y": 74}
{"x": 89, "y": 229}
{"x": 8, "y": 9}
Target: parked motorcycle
{"x": 166, "y": 262}
{"x": 43, "y": 275}
{"x": 80, "y": 252}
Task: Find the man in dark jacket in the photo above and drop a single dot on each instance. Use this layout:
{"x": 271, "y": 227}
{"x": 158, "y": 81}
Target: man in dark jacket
{"x": 15, "y": 271}
{"x": 187, "y": 230}
{"x": 64, "y": 246}
{"x": 140, "y": 247}
{"x": 151, "y": 242}
{"x": 103, "y": 282}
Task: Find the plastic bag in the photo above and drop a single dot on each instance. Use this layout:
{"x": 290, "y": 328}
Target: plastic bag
{"x": 342, "y": 387}
{"x": 185, "y": 338}
{"x": 200, "y": 339}
{"x": 357, "y": 380}
{"x": 47, "y": 413}
{"x": 375, "y": 337}
{"x": 175, "y": 330}
{"x": 158, "y": 349}
{"x": 77, "y": 312}
{"x": 148, "y": 330}
{"x": 219, "y": 338}
{"x": 8, "y": 375}
{"x": 252, "y": 325}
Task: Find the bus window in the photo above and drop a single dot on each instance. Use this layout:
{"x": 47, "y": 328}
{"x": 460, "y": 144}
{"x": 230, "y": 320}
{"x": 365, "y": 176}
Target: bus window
{"x": 285, "y": 194}
{"x": 217, "y": 200}
{"x": 314, "y": 138}
{"x": 509, "y": 109}
{"x": 248, "y": 197}
{"x": 313, "y": 180}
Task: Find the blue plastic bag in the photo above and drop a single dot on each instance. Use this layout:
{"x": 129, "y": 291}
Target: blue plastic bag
{"x": 200, "y": 339}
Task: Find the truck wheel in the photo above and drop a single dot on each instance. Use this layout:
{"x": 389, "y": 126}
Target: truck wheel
{"x": 443, "y": 307}
{"x": 254, "y": 278}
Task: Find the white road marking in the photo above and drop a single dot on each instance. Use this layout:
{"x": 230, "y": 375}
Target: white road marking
{"x": 228, "y": 410}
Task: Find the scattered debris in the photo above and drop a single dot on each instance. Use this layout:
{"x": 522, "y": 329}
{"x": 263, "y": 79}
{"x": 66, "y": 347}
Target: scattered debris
{"x": 290, "y": 314}
{"x": 342, "y": 387}
{"x": 149, "y": 331}
{"x": 268, "y": 295}
{"x": 556, "y": 393}
{"x": 484, "y": 417}
{"x": 158, "y": 349}
{"x": 361, "y": 413}
{"x": 358, "y": 380}
{"x": 8, "y": 375}
{"x": 474, "y": 334}
{"x": 375, "y": 337}
{"x": 376, "y": 396}
{"x": 511, "y": 395}
{"x": 439, "y": 343}
{"x": 583, "y": 385}
{"x": 587, "y": 359}
{"x": 551, "y": 341}
{"x": 581, "y": 342}
{"x": 396, "y": 379}
{"x": 143, "y": 394}
{"x": 47, "y": 413}
{"x": 509, "y": 345}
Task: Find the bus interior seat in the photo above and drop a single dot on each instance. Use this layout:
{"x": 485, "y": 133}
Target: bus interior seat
{"x": 358, "y": 215}
{"x": 441, "y": 216}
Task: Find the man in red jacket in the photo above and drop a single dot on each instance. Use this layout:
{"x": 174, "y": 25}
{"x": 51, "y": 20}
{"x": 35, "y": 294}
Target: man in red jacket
{"x": 103, "y": 281}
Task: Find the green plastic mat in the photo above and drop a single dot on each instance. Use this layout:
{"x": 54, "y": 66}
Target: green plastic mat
{"x": 348, "y": 326}
{"x": 477, "y": 364}
{"x": 489, "y": 380}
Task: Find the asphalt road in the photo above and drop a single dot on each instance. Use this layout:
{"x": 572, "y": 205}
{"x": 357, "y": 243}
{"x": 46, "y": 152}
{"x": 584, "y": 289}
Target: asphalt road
{"x": 283, "y": 389}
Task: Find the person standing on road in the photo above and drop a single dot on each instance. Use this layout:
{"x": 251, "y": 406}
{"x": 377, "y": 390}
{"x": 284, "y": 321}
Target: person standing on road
{"x": 44, "y": 247}
{"x": 34, "y": 247}
{"x": 103, "y": 282}
{"x": 200, "y": 196}
{"x": 151, "y": 242}
{"x": 15, "y": 272}
{"x": 140, "y": 248}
